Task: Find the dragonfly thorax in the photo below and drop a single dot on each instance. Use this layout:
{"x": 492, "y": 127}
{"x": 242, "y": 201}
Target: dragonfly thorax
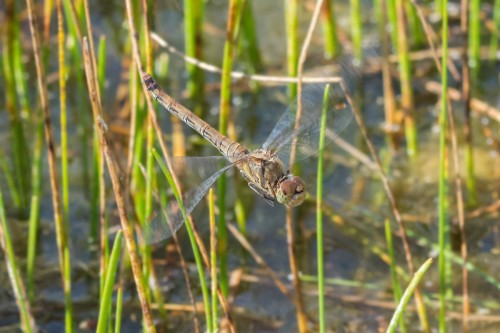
{"x": 266, "y": 174}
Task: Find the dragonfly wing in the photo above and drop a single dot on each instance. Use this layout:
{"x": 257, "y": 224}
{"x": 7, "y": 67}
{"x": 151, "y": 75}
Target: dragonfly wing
{"x": 170, "y": 217}
{"x": 305, "y": 137}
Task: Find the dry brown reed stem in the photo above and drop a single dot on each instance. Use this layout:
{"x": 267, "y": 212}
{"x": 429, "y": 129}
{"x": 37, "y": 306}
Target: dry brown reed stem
{"x": 102, "y": 183}
{"x": 164, "y": 149}
{"x": 92, "y": 49}
{"x": 133, "y": 121}
{"x": 390, "y": 196}
{"x": 461, "y": 219}
{"x": 389, "y": 96}
{"x": 301, "y": 316}
{"x": 431, "y": 37}
{"x": 117, "y": 187}
{"x": 466, "y": 97}
{"x": 42, "y": 90}
{"x": 476, "y": 105}
{"x": 264, "y": 79}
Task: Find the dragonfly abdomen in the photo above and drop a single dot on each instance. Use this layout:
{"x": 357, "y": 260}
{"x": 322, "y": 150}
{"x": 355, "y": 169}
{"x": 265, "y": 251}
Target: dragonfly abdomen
{"x": 231, "y": 149}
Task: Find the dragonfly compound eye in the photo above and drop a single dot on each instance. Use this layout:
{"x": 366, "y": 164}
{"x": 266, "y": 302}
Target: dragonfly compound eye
{"x": 291, "y": 191}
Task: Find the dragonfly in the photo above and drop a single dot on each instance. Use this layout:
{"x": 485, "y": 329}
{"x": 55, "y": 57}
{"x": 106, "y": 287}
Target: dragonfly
{"x": 264, "y": 168}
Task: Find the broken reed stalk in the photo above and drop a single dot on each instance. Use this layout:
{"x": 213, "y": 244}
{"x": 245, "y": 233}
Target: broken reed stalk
{"x": 117, "y": 189}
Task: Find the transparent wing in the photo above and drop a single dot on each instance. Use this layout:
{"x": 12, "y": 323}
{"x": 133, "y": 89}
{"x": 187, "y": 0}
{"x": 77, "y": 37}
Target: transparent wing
{"x": 169, "y": 218}
{"x": 306, "y": 136}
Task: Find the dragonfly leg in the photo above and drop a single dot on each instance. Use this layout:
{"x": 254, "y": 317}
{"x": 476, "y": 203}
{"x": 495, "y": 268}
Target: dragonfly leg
{"x": 261, "y": 192}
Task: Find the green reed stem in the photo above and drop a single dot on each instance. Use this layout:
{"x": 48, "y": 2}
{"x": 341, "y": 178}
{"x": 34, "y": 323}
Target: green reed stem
{"x": 393, "y": 20}
{"x": 196, "y": 251}
{"x": 394, "y": 275}
{"x": 396, "y": 318}
{"x": 19, "y": 147}
{"x": 319, "y": 216}
{"x": 213, "y": 258}
{"x": 119, "y": 308}
{"x": 63, "y": 111}
{"x": 474, "y": 37}
{"x": 106, "y": 297}
{"x": 443, "y": 186}
{"x": 417, "y": 33}
{"x": 19, "y": 70}
{"x": 27, "y": 321}
{"x": 225, "y": 106}
{"x": 328, "y": 23}
{"x": 495, "y": 32}
{"x": 292, "y": 42}
{"x": 406, "y": 87}
{"x": 36, "y": 175}
{"x": 101, "y": 63}
{"x": 193, "y": 32}
{"x": 9, "y": 177}
{"x": 356, "y": 29}
{"x": 249, "y": 46}
{"x": 68, "y": 308}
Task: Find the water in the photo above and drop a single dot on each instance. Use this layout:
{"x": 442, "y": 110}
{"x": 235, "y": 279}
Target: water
{"x": 356, "y": 206}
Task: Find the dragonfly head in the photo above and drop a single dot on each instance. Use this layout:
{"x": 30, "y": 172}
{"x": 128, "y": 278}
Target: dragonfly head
{"x": 291, "y": 191}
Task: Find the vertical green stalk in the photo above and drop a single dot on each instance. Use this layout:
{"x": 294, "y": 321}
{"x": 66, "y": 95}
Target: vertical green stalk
{"x": 225, "y": 96}
{"x": 328, "y": 23}
{"x": 417, "y": 33}
{"x": 474, "y": 37}
{"x": 407, "y": 295}
{"x": 292, "y": 42}
{"x": 394, "y": 275}
{"x": 192, "y": 239}
{"x": 36, "y": 174}
{"x": 63, "y": 111}
{"x": 319, "y": 216}
{"x": 443, "y": 186}
{"x": 393, "y": 20}
{"x": 356, "y": 29}
{"x": 106, "y": 297}
{"x": 193, "y": 39}
{"x": 249, "y": 45}
{"x": 213, "y": 258}
{"x": 20, "y": 148}
{"x": 27, "y": 321}
{"x": 9, "y": 177}
{"x": 405, "y": 76}
{"x": 64, "y": 166}
{"x": 119, "y": 308}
